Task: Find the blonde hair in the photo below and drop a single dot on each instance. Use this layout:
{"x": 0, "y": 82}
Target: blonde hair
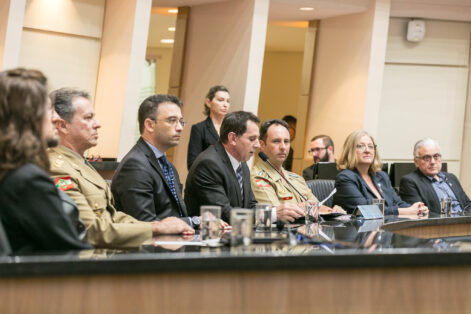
{"x": 348, "y": 158}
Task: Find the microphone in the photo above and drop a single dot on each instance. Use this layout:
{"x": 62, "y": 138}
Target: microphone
{"x": 264, "y": 157}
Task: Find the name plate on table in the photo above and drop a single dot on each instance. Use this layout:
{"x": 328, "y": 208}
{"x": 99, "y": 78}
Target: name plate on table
{"x": 367, "y": 212}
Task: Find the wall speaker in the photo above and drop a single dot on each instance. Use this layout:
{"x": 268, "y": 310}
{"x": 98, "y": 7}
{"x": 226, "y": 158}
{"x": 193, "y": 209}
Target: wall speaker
{"x": 416, "y": 30}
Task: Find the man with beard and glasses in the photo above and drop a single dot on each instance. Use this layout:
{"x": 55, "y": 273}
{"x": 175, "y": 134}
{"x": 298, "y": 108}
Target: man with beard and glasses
{"x": 36, "y": 216}
{"x": 322, "y": 150}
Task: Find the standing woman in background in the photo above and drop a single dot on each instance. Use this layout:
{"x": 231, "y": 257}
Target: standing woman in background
{"x": 206, "y": 133}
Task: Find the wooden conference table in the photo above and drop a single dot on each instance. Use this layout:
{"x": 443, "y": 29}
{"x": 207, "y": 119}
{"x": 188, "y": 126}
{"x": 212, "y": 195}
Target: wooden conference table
{"x": 353, "y": 266}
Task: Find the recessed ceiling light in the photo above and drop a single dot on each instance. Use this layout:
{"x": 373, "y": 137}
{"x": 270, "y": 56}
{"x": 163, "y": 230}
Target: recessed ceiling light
{"x": 167, "y": 41}
{"x": 172, "y": 29}
{"x": 306, "y": 9}
{"x": 173, "y": 11}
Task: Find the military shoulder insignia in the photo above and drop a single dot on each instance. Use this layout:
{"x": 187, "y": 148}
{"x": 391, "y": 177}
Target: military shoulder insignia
{"x": 64, "y": 183}
{"x": 262, "y": 183}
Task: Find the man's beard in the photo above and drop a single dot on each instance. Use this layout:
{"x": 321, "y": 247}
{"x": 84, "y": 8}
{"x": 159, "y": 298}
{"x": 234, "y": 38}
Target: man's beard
{"x": 324, "y": 159}
{"x": 52, "y": 142}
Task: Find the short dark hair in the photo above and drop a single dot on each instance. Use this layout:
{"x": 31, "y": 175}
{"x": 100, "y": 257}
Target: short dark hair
{"x": 62, "y": 100}
{"x": 325, "y": 139}
{"x": 267, "y": 124}
{"x": 210, "y": 95}
{"x": 236, "y": 122}
{"x": 289, "y": 119}
{"x": 149, "y": 106}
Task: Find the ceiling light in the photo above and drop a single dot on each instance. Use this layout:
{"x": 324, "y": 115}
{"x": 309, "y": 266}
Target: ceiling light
{"x": 172, "y": 29}
{"x": 173, "y": 11}
{"x": 306, "y": 9}
{"x": 166, "y": 41}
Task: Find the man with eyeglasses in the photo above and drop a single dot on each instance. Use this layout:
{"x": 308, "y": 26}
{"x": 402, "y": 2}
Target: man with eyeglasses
{"x": 322, "y": 150}
{"x": 73, "y": 174}
{"x": 146, "y": 185}
{"x": 429, "y": 184}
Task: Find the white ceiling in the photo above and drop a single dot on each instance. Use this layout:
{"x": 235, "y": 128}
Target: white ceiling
{"x": 292, "y": 38}
{"x": 288, "y": 10}
{"x": 453, "y": 10}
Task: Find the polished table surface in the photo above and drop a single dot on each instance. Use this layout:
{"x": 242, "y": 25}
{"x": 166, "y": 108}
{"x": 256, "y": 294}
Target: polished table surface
{"x": 407, "y": 265}
{"x": 400, "y": 241}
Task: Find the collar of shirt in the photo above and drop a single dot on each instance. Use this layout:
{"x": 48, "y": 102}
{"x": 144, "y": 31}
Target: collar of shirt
{"x": 234, "y": 162}
{"x": 441, "y": 176}
{"x": 156, "y": 151}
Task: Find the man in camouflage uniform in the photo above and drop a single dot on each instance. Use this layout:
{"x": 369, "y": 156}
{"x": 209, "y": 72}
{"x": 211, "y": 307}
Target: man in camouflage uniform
{"x": 268, "y": 185}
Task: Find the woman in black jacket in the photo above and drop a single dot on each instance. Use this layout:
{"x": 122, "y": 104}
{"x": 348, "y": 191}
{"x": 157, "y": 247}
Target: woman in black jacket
{"x": 206, "y": 133}
{"x": 361, "y": 179}
{"x": 32, "y": 211}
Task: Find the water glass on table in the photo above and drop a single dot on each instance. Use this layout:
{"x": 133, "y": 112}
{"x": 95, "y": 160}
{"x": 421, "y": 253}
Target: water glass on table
{"x": 210, "y": 225}
{"x": 380, "y": 203}
{"x": 311, "y": 211}
{"x": 446, "y": 206}
{"x": 242, "y": 226}
{"x": 263, "y": 215}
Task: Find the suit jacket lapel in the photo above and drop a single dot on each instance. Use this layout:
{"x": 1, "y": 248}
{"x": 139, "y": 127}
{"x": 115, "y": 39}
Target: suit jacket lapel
{"x": 225, "y": 159}
{"x": 211, "y": 129}
{"x": 428, "y": 188}
{"x": 246, "y": 184}
{"x": 364, "y": 184}
{"x": 156, "y": 165}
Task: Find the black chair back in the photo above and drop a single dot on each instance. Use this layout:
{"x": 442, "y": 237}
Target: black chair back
{"x": 321, "y": 189}
{"x": 325, "y": 170}
{"x": 400, "y": 169}
{"x": 5, "y": 248}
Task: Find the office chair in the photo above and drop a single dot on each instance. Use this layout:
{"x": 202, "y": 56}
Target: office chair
{"x": 321, "y": 189}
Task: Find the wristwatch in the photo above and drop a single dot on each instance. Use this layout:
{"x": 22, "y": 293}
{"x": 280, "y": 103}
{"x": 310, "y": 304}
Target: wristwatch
{"x": 196, "y": 221}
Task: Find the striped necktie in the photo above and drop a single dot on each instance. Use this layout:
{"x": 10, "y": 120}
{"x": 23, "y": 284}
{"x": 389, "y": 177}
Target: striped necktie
{"x": 239, "y": 178}
{"x": 170, "y": 178}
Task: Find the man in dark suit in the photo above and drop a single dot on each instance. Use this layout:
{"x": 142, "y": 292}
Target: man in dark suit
{"x": 429, "y": 184}
{"x": 322, "y": 150}
{"x": 219, "y": 175}
{"x": 146, "y": 185}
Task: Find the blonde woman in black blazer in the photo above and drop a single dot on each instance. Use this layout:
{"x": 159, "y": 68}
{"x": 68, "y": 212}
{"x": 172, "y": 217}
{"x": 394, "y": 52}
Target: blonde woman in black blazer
{"x": 206, "y": 133}
{"x": 361, "y": 179}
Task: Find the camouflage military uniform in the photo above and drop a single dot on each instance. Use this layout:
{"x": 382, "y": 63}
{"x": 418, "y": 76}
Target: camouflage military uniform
{"x": 269, "y": 187}
{"x": 106, "y": 227}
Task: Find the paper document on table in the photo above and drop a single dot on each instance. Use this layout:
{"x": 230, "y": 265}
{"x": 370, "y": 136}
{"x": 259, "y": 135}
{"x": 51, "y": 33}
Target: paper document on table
{"x": 194, "y": 243}
{"x": 330, "y": 195}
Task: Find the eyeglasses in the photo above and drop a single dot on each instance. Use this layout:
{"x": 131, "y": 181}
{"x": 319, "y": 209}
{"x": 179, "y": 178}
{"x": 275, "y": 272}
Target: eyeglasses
{"x": 428, "y": 158}
{"x": 171, "y": 120}
{"x": 363, "y": 147}
{"x": 316, "y": 150}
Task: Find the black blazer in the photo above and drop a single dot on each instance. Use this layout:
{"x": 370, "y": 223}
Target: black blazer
{"x": 352, "y": 190}
{"x": 202, "y": 136}
{"x": 32, "y": 213}
{"x": 212, "y": 181}
{"x": 140, "y": 189}
{"x": 416, "y": 187}
{"x": 308, "y": 173}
